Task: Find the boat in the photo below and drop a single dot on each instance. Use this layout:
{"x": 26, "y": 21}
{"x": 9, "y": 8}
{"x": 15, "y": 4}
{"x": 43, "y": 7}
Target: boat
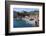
{"x": 29, "y": 21}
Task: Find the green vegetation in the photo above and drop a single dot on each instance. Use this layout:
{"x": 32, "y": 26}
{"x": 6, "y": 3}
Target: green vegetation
{"x": 25, "y": 13}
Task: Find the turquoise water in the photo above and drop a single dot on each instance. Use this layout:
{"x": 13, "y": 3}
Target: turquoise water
{"x": 20, "y": 23}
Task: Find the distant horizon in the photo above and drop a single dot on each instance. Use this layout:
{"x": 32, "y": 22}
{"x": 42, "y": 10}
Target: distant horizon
{"x": 25, "y": 9}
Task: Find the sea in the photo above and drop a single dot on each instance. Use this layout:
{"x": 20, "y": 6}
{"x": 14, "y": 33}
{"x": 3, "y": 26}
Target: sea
{"x": 19, "y": 23}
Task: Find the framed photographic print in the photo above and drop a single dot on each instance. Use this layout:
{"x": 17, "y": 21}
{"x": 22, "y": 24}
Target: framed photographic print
{"x": 24, "y": 17}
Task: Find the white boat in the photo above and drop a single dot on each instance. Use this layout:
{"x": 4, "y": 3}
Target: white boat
{"x": 29, "y": 21}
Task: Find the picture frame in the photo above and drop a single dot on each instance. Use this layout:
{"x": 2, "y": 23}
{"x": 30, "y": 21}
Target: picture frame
{"x": 18, "y": 5}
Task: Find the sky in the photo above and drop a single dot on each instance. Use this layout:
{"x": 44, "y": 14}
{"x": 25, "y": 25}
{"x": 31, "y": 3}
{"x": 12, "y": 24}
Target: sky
{"x": 25, "y": 9}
